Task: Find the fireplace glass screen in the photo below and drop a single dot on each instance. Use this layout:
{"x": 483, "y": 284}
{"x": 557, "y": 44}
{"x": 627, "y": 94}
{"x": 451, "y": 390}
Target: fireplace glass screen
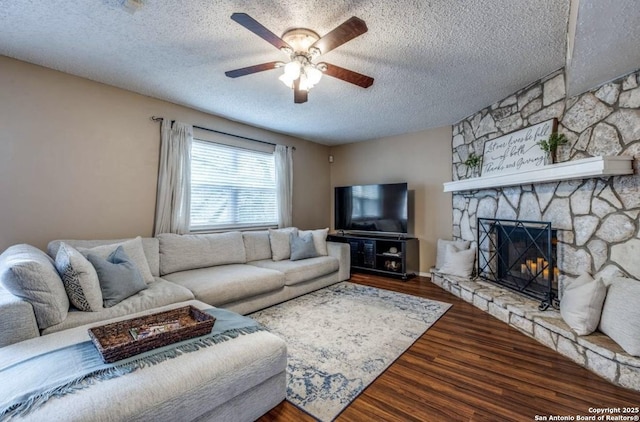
{"x": 519, "y": 255}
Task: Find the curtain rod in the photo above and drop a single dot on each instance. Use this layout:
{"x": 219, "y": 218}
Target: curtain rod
{"x": 159, "y": 119}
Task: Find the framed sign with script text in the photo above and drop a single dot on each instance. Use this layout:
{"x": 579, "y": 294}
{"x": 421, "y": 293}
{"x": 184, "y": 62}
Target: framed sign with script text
{"x": 517, "y": 150}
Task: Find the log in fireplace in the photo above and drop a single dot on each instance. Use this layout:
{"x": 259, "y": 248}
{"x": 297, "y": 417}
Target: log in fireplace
{"x": 519, "y": 255}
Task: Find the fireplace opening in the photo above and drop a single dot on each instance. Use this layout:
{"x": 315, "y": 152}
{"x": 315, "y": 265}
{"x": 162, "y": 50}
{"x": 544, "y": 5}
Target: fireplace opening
{"x": 519, "y": 255}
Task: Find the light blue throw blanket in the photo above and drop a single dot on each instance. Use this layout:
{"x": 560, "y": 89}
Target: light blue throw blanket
{"x": 28, "y": 384}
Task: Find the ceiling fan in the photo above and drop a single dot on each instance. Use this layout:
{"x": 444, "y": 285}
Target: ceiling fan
{"x": 303, "y": 46}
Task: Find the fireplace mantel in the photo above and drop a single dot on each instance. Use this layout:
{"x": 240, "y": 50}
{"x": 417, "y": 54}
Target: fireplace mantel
{"x": 578, "y": 169}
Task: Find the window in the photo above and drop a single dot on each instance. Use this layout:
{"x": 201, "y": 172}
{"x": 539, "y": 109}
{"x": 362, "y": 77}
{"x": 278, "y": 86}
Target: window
{"x": 231, "y": 187}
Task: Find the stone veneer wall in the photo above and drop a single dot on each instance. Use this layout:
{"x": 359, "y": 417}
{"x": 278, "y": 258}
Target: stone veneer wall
{"x": 597, "y": 219}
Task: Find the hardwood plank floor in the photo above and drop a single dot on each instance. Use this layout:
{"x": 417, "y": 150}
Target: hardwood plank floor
{"x": 469, "y": 366}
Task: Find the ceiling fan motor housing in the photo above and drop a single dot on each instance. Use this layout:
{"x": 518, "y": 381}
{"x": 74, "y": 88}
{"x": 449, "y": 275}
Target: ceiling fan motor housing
{"x": 301, "y": 39}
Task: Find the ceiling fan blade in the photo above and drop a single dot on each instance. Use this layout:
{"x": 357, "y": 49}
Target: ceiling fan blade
{"x": 252, "y": 69}
{"x": 299, "y": 95}
{"x": 257, "y": 28}
{"x": 347, "y": 31}
{"x": 348, "y": 75}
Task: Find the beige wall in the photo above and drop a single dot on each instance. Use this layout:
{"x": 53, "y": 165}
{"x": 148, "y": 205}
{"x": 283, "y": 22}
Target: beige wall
{"x": 79, "y": 159}
{"x": 421, "y": 159}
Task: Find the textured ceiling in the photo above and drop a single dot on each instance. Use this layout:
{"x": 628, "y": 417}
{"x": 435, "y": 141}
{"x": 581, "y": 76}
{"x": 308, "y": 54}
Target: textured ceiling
{"x": 434, "y": 62}
{"x": 607, "y": 43}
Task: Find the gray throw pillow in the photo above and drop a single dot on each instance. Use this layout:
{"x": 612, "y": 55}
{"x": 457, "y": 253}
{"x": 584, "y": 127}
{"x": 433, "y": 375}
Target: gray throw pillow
{"x": 319, "y": 240}
{"x": 134, "y": 250}
{"x": 29, "y": 274}
{"x": 79, "y": 278}
{"x": 119, "y": 277}
{"x": 302, "y": 247}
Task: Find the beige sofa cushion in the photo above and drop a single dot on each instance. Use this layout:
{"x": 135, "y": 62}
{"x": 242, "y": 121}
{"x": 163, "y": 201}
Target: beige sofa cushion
{"x": 228, "y": 283}
{"x": 158, "y": 293}
{"x": 191, "y": 251}
{"x": 29, "y": 274}
{"x": 18, "y": 321}
{"x": 257, "y": 245}
{"x": 300, "y": 271}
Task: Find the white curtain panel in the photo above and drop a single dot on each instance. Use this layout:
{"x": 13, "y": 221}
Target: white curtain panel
{"x": 284, "y": 184}
{"x": 174, "y": 178}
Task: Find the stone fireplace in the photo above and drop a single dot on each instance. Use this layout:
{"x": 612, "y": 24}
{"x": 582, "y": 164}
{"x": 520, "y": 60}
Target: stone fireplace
{"x": 596, "y": 219}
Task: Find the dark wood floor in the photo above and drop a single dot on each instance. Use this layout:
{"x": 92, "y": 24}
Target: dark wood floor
{"x": 470, "y": 366}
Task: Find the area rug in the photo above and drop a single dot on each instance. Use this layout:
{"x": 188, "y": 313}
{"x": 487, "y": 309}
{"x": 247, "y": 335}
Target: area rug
{"x": 343, "y": 337}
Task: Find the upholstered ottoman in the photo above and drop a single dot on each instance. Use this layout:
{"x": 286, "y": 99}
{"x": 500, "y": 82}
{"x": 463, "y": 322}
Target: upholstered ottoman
{"x": 236, "y": 380}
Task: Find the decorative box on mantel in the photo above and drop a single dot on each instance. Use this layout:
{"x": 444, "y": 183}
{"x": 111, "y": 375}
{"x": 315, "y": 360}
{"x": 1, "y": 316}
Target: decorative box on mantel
{"x": 578, "y": 169}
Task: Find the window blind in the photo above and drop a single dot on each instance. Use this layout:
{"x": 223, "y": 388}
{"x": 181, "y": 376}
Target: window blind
{"x": 231, "y": 187}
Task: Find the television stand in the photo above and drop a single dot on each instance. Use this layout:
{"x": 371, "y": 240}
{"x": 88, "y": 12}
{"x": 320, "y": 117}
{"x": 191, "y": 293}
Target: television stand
{"x": 390, "y": 256}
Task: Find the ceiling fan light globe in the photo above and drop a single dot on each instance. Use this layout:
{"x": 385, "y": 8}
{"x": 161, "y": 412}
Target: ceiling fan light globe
{"x": 292, "y": 70}
{"x": 304, "y": 83}
{"x": 287, "y": 80}
{"x": 313, "y": 75}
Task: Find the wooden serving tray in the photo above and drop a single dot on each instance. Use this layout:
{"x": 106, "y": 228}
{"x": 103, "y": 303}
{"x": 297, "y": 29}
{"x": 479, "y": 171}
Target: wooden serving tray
{"x": 117, "y": 341}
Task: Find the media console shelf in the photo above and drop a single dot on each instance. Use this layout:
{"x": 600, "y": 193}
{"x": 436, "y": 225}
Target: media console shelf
{"x": 390, "y": 256}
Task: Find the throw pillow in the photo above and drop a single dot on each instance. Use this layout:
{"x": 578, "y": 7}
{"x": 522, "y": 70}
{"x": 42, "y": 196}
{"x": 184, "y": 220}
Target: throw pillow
{"x": 581, "y": 304}
{"x": 29, "y": 274}
{"x": 441, "y": 253}
{"x": 133, "y": 249}
{"x": 281, "y": 243}
{"x": 319, "y": 240}
{"x": 79, "y": 278}
{"x": 256, "y": 245}
{"x": 621, "y": 314}
{"x": 458, "y": 263}
{"x": 119, "y": 276}
{"x": 302, "y": 246}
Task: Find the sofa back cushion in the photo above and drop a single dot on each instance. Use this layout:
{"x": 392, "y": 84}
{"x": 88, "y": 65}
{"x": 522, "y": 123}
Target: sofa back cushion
{"x": 180, "y": 252}
{"x": 257, "y": 245}
{"x": 150, "y": 245}
{"x": 29, "y": 273}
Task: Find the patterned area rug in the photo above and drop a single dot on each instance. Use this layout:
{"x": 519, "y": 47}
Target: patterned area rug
{"x": 343, "y": 337}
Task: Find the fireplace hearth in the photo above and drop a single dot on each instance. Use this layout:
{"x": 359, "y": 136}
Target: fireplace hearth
{"x": 519, "y": 255}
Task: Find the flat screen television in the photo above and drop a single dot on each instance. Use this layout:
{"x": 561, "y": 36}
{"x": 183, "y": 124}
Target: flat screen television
{"x": 372, "y": 208}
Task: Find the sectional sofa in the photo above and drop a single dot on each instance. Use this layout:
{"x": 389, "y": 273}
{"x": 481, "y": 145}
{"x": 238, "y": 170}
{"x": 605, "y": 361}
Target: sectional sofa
{"x": 238, "y": 271}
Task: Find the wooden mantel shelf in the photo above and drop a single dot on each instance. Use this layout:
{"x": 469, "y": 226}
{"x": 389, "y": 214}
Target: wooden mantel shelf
{"x": 578, "y": 169}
